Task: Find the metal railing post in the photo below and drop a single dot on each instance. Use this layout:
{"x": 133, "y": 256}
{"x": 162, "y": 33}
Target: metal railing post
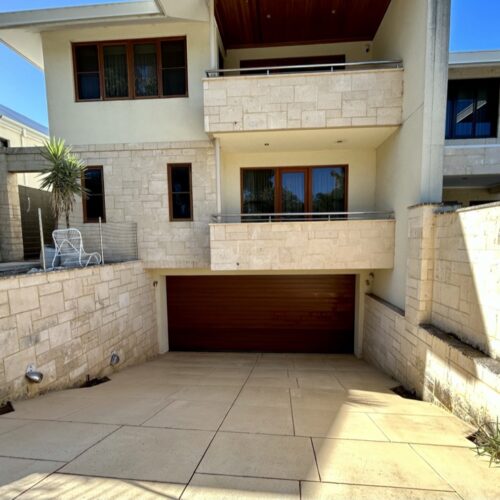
{"x": 42, "y": 242}
{"x": 100, "y": 237}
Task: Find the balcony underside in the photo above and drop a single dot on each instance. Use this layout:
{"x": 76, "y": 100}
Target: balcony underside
{"x": 303, "y": 245}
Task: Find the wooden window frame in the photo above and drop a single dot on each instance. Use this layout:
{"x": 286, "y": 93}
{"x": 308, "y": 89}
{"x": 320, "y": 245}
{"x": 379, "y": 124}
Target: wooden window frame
{"x": 129, "y": 46}
{"x": 86, "y": 220}
{"x": 170, "y": 167}
{"x": 308, "y": 181}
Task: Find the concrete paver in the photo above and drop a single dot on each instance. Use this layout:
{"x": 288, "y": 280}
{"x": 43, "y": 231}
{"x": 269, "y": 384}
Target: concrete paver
{"x": 227, "y": 425}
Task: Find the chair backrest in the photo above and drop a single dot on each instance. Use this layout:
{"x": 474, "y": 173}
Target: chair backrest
{"x": 68, "y": 242}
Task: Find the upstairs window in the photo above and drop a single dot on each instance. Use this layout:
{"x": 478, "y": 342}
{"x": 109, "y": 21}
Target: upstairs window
{"x": 472, "y": 109}
{"x": 131, "y": 69}
{"x": 93, "y": 202}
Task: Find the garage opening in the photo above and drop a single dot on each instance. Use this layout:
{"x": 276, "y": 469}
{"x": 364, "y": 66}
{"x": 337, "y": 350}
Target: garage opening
{"x": 311, "y": 314}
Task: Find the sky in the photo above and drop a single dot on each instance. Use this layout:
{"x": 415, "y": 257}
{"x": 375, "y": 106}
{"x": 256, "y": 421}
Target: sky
{"x": 474, "y": 26}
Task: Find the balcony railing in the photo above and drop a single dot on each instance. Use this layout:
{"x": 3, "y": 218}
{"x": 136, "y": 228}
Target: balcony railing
{"x": 268, "y": 70}
{"x": 301, "y": 217}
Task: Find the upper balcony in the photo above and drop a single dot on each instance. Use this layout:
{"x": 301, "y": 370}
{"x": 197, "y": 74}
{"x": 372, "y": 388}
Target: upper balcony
{"x": 293, "y": 241}
{"x": 322, "y": 96}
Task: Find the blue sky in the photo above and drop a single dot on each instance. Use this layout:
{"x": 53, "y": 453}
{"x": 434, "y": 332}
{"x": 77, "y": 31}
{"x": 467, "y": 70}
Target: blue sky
{"x": 474, "y": 26}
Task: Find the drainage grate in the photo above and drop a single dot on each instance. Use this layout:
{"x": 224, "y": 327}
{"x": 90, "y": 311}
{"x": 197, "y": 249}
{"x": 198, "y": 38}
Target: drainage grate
{"x": 6, "y": 408}
{"x": 95, "y": 381}
{"x": 405, "y": 393}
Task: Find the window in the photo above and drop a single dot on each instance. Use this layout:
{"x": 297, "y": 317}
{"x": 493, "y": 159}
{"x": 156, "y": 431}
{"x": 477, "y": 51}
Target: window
{"x": 93, "y": 201}
{"x": 180, "y": 192}
{"x": 4, "y": 142}
{"x": 131, "y": 69}
{"x": 294, "y": 189}
{"x": 472, "y": 109}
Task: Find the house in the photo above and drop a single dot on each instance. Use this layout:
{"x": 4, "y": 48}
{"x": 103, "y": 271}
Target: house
{"x": 284, "y": 170}
{"x": 472, "y": 152}
{"x": 268, "y": 155}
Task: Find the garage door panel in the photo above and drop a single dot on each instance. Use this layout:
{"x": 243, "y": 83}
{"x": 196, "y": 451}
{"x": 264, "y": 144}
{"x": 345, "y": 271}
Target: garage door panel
{"x": 261, "y": 313}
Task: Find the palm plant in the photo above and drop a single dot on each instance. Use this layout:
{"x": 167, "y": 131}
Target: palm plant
{"x": 62, "y": 177}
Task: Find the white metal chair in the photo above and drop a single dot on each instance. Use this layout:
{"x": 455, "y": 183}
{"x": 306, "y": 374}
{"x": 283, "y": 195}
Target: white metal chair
{"x": 69, "y": 247}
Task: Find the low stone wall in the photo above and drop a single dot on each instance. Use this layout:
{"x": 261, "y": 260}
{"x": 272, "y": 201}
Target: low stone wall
{"x": 451, "y": 310}
{"x": 440, "y": 368}
{"x": 67, "y": 323}
{"x": 358, "y": 98}
{"x": 346, "y": 244}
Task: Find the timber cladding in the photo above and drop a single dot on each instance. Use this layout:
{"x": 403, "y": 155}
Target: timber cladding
{"x": 300, "y": 313}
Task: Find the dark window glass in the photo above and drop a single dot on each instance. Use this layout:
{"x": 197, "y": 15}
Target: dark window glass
{"x": 173, "y": 64}
{"x": 4, "y": 142}
{"x": 145, "y": 70}
{"x": 87, "y": 71}
{"x": 328, "y": 185}
{"x": 180, "y": 192}
{"x": 258, "y": 191}
{"x": 115, "y": 70}
{"x": 93, "y": 204}
{"x": 87, "y": 59}
{"x": 472, "y": 109}
{"x": 293, "y": 192}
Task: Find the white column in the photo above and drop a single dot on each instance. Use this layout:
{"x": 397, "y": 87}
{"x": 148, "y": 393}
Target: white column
{"x": 213, "y": 36}
{"x": 218, "y": 180}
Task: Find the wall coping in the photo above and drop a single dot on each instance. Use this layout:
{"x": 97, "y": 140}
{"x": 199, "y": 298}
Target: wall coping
{"x": 456, "y": 208}
{"x": 478, "y": 357}
{"x": 6, "y": 277}
{"x": 380, "y": 300}
{"x": 82, "y": 148}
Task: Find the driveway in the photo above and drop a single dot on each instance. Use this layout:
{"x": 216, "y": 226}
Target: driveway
{"x": 196, "y": 425}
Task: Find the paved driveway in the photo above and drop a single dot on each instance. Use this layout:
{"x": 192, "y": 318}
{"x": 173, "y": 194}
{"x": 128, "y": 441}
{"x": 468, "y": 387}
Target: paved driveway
{"x": 239, "y": 426}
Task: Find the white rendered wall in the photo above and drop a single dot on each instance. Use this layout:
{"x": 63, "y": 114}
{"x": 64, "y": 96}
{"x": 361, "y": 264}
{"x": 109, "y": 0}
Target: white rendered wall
{"x": 409, "y": 163}
{"x": 125, "y": 121}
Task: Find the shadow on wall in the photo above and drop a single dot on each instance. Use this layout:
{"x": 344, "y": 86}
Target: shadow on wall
{"x": 466, "y": 292}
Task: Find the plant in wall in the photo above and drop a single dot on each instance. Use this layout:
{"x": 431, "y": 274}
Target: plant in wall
{"x": 62, "y": 177}
{"x": 487, "y": 440}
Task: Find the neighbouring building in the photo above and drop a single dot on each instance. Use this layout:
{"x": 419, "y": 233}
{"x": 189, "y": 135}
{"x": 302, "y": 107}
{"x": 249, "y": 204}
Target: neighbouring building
{"x": 20, "y": 194}
{"x": 472, "y": 148}
{"x": 270, "y": 158}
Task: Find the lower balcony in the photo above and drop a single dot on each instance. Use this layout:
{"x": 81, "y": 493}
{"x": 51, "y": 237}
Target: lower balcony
{"x": 312, "y": 241}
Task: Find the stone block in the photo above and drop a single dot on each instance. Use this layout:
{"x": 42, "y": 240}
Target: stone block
{"x": 21, "y": 300}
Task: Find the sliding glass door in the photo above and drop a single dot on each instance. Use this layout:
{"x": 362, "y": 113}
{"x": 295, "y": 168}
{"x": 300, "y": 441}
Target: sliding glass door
{"x": 294, "y": 190}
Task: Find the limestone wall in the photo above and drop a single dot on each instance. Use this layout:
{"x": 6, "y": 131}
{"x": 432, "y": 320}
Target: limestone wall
{"x": 11, "y": 237}
{"x": 136, "y": 190}
{"x": 438, "y": 367}
{"x": 347, "y": 244}
{"x": 445, "y": 343}
{"x": 67, "y": 323}
{"x": 472, "y": 157}
{"x": 316, "y": 100}
{"x": 466, "y": 287}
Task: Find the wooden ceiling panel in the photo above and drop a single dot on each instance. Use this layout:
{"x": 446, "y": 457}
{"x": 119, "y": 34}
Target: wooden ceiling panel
{"x": 253, "y": 23}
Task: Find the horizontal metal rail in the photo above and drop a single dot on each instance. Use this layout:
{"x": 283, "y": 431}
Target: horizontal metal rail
{"x": 301, "y": 216}
{"x": 392, "y": 63}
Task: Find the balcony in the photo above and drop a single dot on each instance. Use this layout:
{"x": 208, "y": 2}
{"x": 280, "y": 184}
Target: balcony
{"x": 323, "y": 96}
{"x": 325, "y": 241}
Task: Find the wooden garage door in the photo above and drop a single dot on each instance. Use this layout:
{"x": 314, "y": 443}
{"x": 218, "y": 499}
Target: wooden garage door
{"x": 261, "y": 313}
